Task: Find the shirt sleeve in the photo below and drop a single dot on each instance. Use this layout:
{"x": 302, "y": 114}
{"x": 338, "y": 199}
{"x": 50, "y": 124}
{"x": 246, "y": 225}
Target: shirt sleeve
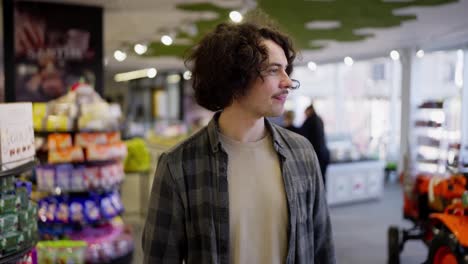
{"x": 163, "y": 238}
{"x": 323, "y": 237}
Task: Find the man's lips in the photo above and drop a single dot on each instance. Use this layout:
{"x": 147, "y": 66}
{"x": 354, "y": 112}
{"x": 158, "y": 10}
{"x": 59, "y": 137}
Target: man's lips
{"x": 281, "y": 97}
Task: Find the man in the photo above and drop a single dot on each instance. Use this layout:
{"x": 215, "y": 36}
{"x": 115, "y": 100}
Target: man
{"x": 288, "y": 120}
{"x": 241, "y": 190}
{"x": 314, "y": 131}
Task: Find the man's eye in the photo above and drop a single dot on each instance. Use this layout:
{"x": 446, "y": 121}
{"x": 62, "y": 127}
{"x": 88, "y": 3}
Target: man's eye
{"x": 273, "y": 70}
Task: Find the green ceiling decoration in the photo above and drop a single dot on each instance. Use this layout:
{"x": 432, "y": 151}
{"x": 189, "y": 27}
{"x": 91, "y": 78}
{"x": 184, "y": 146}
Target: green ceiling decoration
{"x": 203, "y": 26}
{"x": 292, "y": 17}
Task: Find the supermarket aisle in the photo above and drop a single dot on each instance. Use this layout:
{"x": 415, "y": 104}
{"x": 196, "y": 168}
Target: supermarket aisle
{"x": 360, "y": 230}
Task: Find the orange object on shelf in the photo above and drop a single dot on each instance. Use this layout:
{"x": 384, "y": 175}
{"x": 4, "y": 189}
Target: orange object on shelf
{"x": 59, "y": 141}
{"x": 66, "y": 155}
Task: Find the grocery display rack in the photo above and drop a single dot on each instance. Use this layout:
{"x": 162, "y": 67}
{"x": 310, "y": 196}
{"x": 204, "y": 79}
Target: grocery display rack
{"x": 13, "y": 257}
{"x": 86, "y": 193}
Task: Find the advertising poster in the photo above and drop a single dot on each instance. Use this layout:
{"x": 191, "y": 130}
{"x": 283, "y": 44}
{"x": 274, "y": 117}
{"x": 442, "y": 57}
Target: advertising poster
{"x": 55, "y": 46}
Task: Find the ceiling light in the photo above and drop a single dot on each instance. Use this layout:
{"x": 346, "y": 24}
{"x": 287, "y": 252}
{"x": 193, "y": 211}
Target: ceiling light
{"x": 140, "y": 48}
{"x": 127, "y": 76}
{"x": 420, "y": 53}
{"x": 151, "y": 72}
{"x": 120, "y": 55}
{"x": 235, "y": 16}
{"x": 394, "y": 55}
{"x": 323, "y": 24}
{"x": 348, "y": 61}
{"x": 166, "y": 40}
{"x": 312, "y": 66}
{"x": 187, "y": 75}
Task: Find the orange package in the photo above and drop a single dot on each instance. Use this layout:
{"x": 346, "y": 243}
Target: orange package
{"x": 88, "y": 139}
{"x": 71, "y": 154}
{"x": 59, "y": 141}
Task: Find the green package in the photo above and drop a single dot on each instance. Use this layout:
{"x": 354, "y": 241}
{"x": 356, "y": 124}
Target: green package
{"x": 8, "y": 204}
{"x": 23, "y": 219}
{"x": 8, "y": 223}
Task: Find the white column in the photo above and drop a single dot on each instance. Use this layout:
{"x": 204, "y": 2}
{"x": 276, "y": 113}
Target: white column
{"x": 464, "y": 115}
{"x": 406, "y": 84}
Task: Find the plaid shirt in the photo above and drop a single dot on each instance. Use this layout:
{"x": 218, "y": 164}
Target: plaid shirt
{"x": 188, "y": 215}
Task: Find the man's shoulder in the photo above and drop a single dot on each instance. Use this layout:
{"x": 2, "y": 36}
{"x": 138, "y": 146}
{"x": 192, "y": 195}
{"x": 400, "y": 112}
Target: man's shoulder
{"x": 290, "y": 138}
{"x": 193, "y": 144}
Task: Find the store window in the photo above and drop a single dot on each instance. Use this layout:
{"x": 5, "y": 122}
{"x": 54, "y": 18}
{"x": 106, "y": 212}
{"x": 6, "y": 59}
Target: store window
{"x": 359, "y": 104}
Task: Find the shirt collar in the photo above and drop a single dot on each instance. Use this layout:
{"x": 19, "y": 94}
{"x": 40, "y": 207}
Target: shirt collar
{"x": 213, "y": 128}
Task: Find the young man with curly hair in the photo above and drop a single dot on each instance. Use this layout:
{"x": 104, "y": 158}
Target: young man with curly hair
{"x": 241, "y": 190}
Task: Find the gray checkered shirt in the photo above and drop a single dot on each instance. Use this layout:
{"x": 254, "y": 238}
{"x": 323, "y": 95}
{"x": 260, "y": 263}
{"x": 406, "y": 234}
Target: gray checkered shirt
{"x": 188, "y": 214}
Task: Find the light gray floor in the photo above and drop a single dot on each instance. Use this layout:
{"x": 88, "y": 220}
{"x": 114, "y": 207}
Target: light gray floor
{"x": 360, "y": 231}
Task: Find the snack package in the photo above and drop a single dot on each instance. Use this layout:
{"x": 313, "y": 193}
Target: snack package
{"x": 66, "y": 155}
{"x": 63, "y": 212}
{"x": 42, "y": 210}
{"x": 107, "y": 177}
{"x": 51, "y": 209}
{"x": 8, "y": 242}
{"x": 92, "y": 176}
{"x": 78, "y": 181}
{"x": 8, "y": 222}
{"x": 23, "y": 219}
{"x": 113, "y": 137}
{"x": 45, "y": 177}
{"x": 8, "y": 204}
{"x": 63, "y": 175}
{"x": 77, "y": 211}
{"x": 58, "y": 123}
{"x": 7, "y": 184}
{"x": 59, "y": 141}
{"x": 86, "y": 139}
{"x": 92, "y": 211}
{"x": 23, "y": 191}
{"x": 117, "y": 202}
{"x": 107, "y": 208}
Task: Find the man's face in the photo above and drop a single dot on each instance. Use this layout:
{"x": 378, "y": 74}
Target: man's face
{"x": 266, "y": 98}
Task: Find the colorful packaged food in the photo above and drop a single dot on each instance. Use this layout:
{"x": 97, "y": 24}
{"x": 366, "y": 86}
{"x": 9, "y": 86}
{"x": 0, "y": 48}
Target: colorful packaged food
{"x": 63, "y": 212}
{"x": 66, "y": 155}
{"x": 8, "y": 222}
{"x": 92, "y": 176}
{"x": 23, "y": 219}
{"x": 77, "y": 211}
{"x": 8, "y": 204}
{"x": 87, "y": 139}
{"x": 78, "y": 180}
{"x": 59, "y": 141}
{"x": 63, "y": 175}
{"x": 92, "y": 211}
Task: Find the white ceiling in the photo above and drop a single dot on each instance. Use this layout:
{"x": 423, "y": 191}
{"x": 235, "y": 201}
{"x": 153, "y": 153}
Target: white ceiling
{"x": 140, "y": 20}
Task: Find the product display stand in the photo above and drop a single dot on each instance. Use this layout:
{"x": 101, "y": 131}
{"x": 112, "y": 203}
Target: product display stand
{"x": 26, "y": 240}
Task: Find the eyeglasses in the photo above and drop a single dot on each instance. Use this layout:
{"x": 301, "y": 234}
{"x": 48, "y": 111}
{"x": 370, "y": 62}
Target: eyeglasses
{"x": 295, "y": 84}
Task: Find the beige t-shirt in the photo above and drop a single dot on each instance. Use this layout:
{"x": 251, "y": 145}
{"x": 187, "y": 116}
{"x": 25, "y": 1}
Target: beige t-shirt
{"x": 258, "y": 214}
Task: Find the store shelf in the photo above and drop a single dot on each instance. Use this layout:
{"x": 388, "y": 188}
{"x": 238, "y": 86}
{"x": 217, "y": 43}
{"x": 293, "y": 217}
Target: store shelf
{"x": 14, "y": 257}
{"x": 19, "y": 169}
{"x": 46, "y": 133}
{"x": 127, "y": 259}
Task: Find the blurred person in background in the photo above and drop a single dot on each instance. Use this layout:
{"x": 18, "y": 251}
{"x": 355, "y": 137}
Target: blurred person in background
{"x": 288, "y": 119}
{"x": 313, "y": 129}
{"x": 241, "y": 189}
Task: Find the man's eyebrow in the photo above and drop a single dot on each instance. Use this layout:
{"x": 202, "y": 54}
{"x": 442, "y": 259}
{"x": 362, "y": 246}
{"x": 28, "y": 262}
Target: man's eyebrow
{"x": 277, "y": 64}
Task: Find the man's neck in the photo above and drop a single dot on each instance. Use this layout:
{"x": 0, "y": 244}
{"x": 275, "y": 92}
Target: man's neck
{"x": 240, "y": 126}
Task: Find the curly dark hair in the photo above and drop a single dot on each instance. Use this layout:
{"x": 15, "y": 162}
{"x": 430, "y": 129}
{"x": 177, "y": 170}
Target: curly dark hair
{"x": 229, "y": 58}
